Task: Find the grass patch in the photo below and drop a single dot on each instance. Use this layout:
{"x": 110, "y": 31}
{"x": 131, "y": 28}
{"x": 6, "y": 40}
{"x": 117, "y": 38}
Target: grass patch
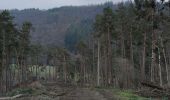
{"x": 129, "y": 95}
{"x": 122, "y": 94}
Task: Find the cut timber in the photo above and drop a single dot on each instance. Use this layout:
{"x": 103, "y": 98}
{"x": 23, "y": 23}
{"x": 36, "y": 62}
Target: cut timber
{"x": 10, "y": 98}
{"x": 152, "y": 85}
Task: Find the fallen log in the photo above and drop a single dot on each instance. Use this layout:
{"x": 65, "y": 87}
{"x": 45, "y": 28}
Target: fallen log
{"x": 10, "y": 98}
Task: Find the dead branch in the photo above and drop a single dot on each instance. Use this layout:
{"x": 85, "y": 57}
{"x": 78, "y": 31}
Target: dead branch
{"x": 10, "y": 98}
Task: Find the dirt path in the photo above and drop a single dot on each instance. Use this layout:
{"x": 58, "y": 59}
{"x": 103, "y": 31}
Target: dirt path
{"x": 83, "y": 94}
{"x": 58, "y": 92}
{"x": 77, "y": 93}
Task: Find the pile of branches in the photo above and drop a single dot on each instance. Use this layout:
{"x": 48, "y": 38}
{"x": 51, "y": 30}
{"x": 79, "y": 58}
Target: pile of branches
{"x": 150, "y": 89}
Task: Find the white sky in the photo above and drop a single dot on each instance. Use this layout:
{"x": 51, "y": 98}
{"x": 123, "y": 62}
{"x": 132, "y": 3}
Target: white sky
{"x": 46, "y": 4}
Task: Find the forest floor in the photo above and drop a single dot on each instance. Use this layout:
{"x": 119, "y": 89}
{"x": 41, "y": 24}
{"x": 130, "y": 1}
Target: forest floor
{"x": 55, "y": 91}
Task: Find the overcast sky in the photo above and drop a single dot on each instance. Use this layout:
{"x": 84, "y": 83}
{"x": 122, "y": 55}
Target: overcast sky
{"x": 46, "y": 4}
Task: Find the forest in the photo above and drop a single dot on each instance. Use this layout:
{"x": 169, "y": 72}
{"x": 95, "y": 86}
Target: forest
{"x": 120, "y": 51}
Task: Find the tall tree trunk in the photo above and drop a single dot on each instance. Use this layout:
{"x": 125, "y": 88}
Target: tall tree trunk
{"x": 1, "y": 84}
{"x": 131, "y": 58}
{"x": 109, "y": 57}
{"x": 4, "y": 59}
{"x": 153, "y": 62}
{"x": 49, "y": 72}
{"x": 17, "y": 64}
{"x": 37, "y": 66}
{"x": 1, "y": 87}
{"x": 143, "y": 58}
{"x": 64, "y": 69}
{"x": 98, "y": 65}
{"x": 84, "y": 70}
{"x": 105, "y": 67}
{"x": 160, "y": 69}
{"x": 166, "y": 64}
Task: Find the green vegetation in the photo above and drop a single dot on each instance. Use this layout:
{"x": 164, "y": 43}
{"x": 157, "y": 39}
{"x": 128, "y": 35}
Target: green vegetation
{"x": 129, "y": 95}
{"x": 121, "y": 94}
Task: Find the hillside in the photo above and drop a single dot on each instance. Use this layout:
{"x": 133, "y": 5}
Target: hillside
{"x": 97, "y": 52}
{"x": 51, "y": 26}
